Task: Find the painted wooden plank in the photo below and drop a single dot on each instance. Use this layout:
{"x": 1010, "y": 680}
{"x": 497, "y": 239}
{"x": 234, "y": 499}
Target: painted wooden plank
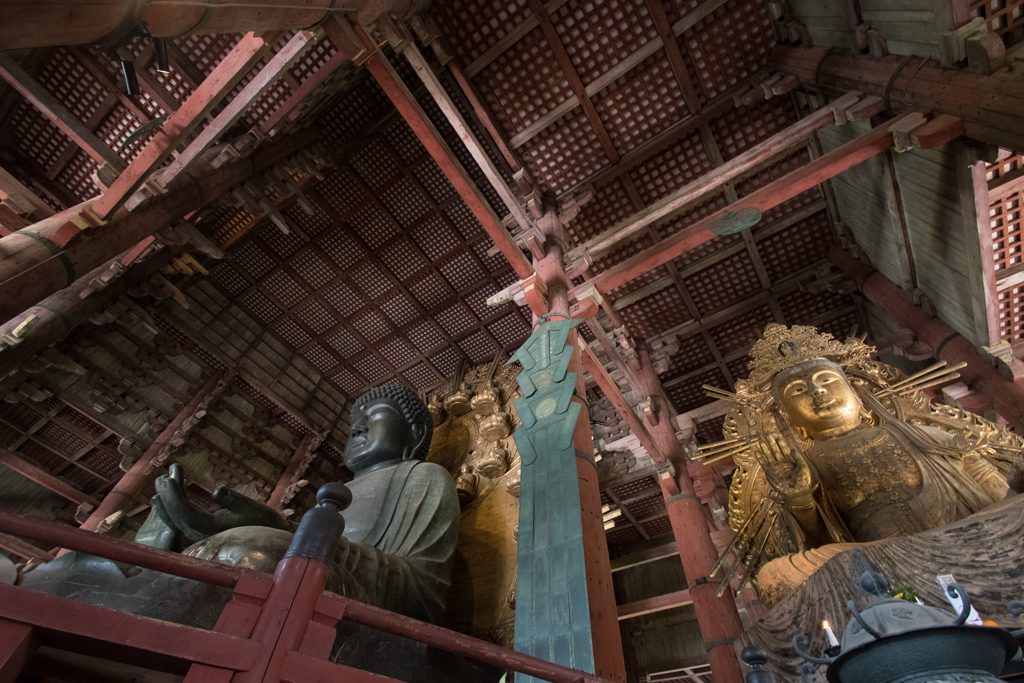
{"x": 658, "y": 604}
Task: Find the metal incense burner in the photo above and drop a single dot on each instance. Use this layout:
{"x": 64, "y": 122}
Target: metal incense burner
{"x": 895, "y": 641}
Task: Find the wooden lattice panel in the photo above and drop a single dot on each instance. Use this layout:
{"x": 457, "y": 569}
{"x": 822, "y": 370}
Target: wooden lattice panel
{"x": 797, "y": 247}
{"x": 205, "y": 52}
{"x": 566, "y": 153}
{"x": 77, "y": 176}
{"x": 800, "y": 307}
{"x": 621, "y": 255}
{"x": 609, "y": 205}
{"x": 656, "y": 313}
{"x": 524, "y": 83}
{"x": 730, "y": 45}
{"x": 693, "y": 353}
{"x": 1003, "y": 17}
{"x": 710, "y": 430}
{"x": 598, "y": 34}
{"x": 742, "y": 330}
{"x": 727, "y": 282}
{"x": 36, "y": 137}
{"x": 677, "y": 166}
{"x": 642, "y": 103}
{"x": 688, "y": 395}
{"x": 1011, "y": 313}
{"x": 740, "y": 129}
{"x": 1005, "y": 215}
{"x": 701, "y": 212}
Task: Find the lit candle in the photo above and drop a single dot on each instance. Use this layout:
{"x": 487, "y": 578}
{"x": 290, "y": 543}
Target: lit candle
{"x": 832, "y": 642}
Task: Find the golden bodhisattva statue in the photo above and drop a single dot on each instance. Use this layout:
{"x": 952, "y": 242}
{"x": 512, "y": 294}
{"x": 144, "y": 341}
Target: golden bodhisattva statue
{"x": 834, "y": 448}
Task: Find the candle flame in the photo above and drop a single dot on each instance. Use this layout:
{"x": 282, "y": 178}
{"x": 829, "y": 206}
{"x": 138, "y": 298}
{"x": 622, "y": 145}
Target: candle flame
{"x": 824, "y": 624}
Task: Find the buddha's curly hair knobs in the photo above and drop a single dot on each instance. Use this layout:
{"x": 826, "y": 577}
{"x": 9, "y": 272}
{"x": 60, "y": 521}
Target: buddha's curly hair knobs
{"x": 414, "y": 410}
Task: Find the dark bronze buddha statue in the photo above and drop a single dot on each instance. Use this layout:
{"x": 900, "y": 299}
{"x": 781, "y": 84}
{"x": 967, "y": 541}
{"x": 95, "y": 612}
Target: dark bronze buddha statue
{"x": 400, "y": 531}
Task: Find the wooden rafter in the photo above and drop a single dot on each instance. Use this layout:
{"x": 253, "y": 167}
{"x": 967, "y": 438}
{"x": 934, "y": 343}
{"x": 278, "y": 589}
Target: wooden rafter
{"x": 218, "y": 85}
{"x": 768, "y": 196}
{"x": 573, "y": 77}
{"x": 44, "y": 478}
{"x": 57, "y": 113}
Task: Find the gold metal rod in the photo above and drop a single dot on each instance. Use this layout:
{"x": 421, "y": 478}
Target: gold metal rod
{"x": 927, "y": 370}
{"x": 736, "y": 537}
{"x": 907, "y": 386}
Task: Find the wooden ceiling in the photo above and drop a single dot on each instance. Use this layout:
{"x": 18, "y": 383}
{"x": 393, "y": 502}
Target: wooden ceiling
{"x": 385, "y": 272}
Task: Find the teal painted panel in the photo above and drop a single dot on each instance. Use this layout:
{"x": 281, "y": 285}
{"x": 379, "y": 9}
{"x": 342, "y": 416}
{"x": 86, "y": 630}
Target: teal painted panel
{"x": 552, "y": 607}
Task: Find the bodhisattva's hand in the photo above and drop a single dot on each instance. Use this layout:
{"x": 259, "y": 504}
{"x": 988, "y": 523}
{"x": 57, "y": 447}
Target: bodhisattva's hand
{"x": 178, "y": 512}
{"x": 786, "y": 470}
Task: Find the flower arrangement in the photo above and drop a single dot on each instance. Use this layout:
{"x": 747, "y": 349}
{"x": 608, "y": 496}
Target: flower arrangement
{"x": 908, "y": 593}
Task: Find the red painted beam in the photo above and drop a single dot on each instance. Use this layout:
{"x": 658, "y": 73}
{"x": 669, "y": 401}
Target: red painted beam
{"x": 44, "y": 479}
{"x": 611, "y": 390}
{"x": 427, "y": 134}
{"x": 143, "y": 472}
{"x": 478, "y": 650}
{"x": 73, "y": 22}
{"x": 241, "y": 102}
{"x": 216, "y": 87}
{"x": 63, "y": 618}
{"x": 23, "y": 549}
{"x": 18, "y": 643}
{"x": 655, "y": 604}
{"x": 292, "y": 107}
{"x": 69, "y": 537}
{"x": 297, "y": 463}
{"x": 838, "y": 160}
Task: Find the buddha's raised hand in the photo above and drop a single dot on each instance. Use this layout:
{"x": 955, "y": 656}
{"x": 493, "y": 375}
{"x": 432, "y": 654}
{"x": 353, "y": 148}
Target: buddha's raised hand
{"x": 786, "y": 470}
{"x": 177, "y": 511}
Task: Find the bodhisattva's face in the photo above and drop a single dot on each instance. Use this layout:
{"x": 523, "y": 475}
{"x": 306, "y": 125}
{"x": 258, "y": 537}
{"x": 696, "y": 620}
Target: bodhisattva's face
{"x": 380, "y": 435}
{"x": 821, "y": 401}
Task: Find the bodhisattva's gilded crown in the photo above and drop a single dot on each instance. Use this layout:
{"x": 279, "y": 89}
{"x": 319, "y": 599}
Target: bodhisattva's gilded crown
{"x": 781, "y": 348}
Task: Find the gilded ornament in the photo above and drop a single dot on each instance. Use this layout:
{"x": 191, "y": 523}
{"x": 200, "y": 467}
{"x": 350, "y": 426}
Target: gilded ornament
{"x": 459, "y": 402}
{"x": 486, "y": 401}
{"x": 466, "y": 484}
{"x": 493, "y": 463}
{"x": 495, "y": 426}
{"x": 834, "y": 447}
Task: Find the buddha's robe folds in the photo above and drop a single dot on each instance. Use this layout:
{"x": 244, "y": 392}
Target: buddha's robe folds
{"x": 399, "y": 541}
{"x": 397, "y": 550}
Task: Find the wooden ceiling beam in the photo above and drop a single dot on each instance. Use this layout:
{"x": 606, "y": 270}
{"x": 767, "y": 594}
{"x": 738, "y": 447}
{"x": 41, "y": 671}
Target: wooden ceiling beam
{"x": 674, "y": 55}
{"x": 627, "y": 229}
{"x": 573, "y": 77}
{"x": 23, "y": 549}
{"x": 767, "y": 197}
{"x": 44, "y": 478}
{"x": 275, "y": 69}
{"x": 451, "y": 112}
{"x": 483, "y": 117}
{"x": 428, "y": 135}
{"x": 218, "y": 85}
{"x": 57, "y": 113}
{"x": 657, "y": 604}
{"x": 103, "y": 78}
{"x": 291, "y": 108}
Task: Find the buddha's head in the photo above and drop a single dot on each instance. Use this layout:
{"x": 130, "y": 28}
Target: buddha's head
{"x": 817, "y": 398}
{"x": 389, "y": 424}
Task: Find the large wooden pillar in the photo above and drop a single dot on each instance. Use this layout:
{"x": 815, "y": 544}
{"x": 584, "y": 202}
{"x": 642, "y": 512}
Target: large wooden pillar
{"x": 1007, "y": 396}
{"x": 992, "y": 107}
{"x": 719, "y": 622}
{"x": 565, "y": 604}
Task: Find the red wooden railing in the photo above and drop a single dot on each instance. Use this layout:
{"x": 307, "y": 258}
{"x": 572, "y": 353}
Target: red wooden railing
{"x": 277, "y": 629}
